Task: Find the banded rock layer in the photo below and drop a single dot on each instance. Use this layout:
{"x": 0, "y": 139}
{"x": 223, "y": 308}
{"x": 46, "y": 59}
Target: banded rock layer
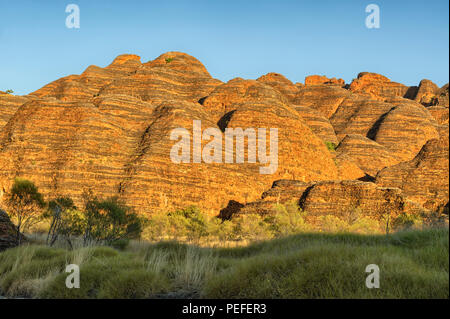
{"x": 109, "y": 130}
{"x": 8, "y": 233}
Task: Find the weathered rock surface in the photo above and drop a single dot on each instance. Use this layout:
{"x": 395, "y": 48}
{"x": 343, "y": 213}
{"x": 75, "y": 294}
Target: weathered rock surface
{"x": 120, "y": 145}
{"x": 424, "y": 179}
{"x": 441, "y": 98}
{"x": 404, "y": 129}
{"x": 377, "y": 86}
{"x": 283, "y": 191}
{"x": 8, "y": 233}
{"x": 250, "y": 104}
{"x": 108, "y": 130}
{"x": 172, "y": 75}
{"x": 370, "y": 156}
{"x": 348, "y": 168}
{"x": 394, "y": 123}
{"x": 321, "y": 79}
{"x": 337, "y": 198}
{"x": 318, "y": 123}
{"x": 340, "y": 198}
{"x": 8, "y": 106}
{"x": 357, "y": 115}
{"x": 323, "y": 98}
{"x": 280, "y": 83}
{"x": 87, "y": 85}
{"x": 439, "y": 113}
{"x": 229, "y": 96}
{"x": 426, "y": 92}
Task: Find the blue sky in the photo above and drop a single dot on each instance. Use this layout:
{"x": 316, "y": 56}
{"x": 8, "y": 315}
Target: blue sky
{"x": 243, "y": 38}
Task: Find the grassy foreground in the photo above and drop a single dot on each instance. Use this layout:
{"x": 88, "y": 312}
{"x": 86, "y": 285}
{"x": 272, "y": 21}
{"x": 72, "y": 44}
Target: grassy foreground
{"x": 413, "y": 264}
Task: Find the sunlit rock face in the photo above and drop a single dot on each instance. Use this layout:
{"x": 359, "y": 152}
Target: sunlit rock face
{"x": 109, "y": 130}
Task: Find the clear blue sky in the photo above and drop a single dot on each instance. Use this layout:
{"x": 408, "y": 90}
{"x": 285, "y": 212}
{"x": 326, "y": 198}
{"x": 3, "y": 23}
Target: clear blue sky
{"x": 245, "y": 38}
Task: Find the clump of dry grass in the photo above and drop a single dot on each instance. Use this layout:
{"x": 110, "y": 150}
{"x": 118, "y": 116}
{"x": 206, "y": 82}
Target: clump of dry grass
{"x": 192, "y": 269}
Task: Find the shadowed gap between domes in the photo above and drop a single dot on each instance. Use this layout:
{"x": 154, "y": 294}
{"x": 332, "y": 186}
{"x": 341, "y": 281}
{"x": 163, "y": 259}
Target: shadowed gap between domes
{"x": 372, "y": 133}
{"x": 224, "y": 120}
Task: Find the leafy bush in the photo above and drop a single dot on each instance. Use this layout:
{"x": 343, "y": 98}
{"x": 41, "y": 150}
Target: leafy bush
{"x": 157, "y": 227}
{"x": 333, "y": 224}
{"x": 331, "y": 146}
{"x": 25, "y": 205}
{"x": 251, "y": 227}
{"x": 189, "y": 223}
{"x": 365, "y": 225}
{"x": 62, "y": 221}
{"x": 288, "y": 219}
{"x": 351, "y": 221}
{"x": 121, "y": 244}
{"x": 108, "y": 221}
{"x": 221, "y": 229}
{"x": 407, "y": 221}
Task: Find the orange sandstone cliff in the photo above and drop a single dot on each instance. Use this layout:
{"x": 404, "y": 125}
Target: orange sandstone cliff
{"x": 373, "y": 143}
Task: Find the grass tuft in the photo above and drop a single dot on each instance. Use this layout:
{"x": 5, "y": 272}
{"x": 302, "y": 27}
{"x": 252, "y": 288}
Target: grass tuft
{"x": 413, "y": 264}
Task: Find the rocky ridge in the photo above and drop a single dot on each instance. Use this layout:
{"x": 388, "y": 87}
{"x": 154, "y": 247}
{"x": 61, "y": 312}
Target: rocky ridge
{"x": 109, "y": 128}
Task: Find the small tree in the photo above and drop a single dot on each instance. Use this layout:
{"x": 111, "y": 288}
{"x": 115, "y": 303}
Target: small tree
{"x": 287, "y": 219}
{"x": 109, "y": 221}
{"x": 9, "y": 91}
{"x": 251, "y": 227}
{"x": 59, "y": 210}
{"x": 188, "y": 222}
{"x": 25, "y": 205}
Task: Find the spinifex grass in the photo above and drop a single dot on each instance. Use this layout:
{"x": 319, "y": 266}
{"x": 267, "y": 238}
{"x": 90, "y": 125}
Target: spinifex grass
{"x": 413, "y": 264}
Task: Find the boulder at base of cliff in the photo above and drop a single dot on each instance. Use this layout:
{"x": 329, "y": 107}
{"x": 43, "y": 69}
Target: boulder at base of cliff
{"x": 8, "y": 237}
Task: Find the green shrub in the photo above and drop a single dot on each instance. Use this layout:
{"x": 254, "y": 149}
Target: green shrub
{"x": 351, "y": 221}
{"x": 407, "y": 221}
{"x": 108, "y": 221}
{"x": 103, "y": 252}
{"x": 333, "y": 224}
{"x": 66, "y": 221}
{"x": 251, "y": 227}
{"x": 331, "y": 146}
{"x": 221, "y": 229}
{"x": 121, "y": 244}
{"x": 189, "y": 223}
{"x": 25, "y": 205}
{"x": 287, "y": 219}
{"x": 134, "y": 284}
{"x": 365, "y": 225}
